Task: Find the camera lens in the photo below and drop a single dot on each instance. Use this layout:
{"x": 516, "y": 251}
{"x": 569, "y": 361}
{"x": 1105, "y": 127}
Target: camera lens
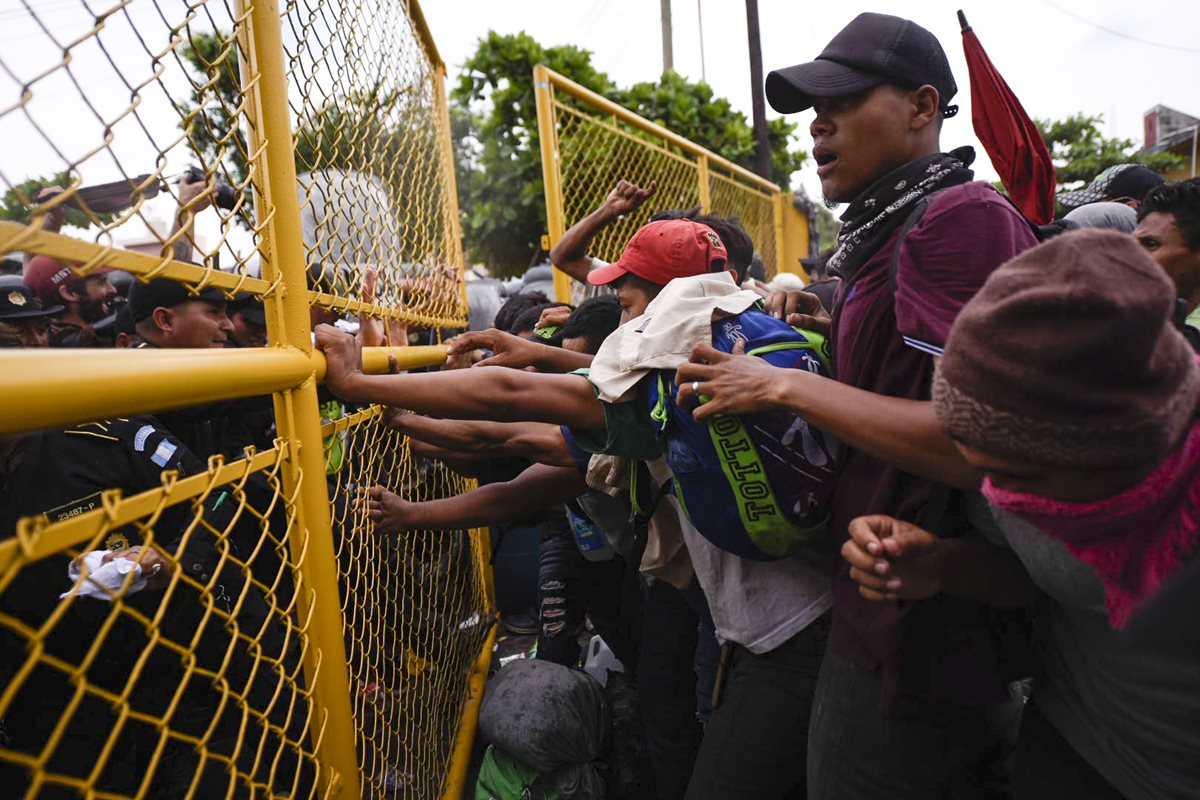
{"x": 226, "y": 196}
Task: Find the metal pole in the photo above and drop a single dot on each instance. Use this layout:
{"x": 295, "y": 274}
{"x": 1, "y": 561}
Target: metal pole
{"x": 762, "y": 143}
{"x": 548, "y": 138}
{"x": 668, "y": 54}
{"x": 704, "y": 187}
{"x": 297, "y": 418}
{"x": 781, "y": 263}
{"x": 1195, "y": 130}
{"x": 460, "y": 760}
{"x": 700, "y": 23}
{"x": 454, "y": 234}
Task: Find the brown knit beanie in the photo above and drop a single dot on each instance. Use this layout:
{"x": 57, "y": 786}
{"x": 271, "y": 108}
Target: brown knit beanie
{"x": 1067, "y": 357}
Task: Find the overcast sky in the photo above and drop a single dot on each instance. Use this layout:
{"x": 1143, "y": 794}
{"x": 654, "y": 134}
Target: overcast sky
{"x": 1056, "y": 63}
{"x": 1054, "y": 53}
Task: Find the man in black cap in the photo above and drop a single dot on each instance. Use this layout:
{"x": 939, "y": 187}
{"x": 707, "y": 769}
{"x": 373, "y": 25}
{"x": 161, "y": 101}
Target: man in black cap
{"x": 249, "y": 320}
{"x": 902, "y": 701}
{"x": 21, "y": 309}
{"x": 1124, "y": 183}
{"x": 168, "y": 315}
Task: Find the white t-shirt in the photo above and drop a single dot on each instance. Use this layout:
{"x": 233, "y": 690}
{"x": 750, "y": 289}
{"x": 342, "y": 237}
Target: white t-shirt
{"x": 757, "y": 604}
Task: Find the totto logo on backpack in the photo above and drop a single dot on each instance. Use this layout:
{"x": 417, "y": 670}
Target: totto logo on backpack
{"x": 758, "y": 485}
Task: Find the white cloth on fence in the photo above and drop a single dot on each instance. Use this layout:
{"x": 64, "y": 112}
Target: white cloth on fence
{"x": 103, "y": 581}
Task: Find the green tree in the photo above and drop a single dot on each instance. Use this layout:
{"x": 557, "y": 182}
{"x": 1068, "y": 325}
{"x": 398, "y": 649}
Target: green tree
{"x": 1081, "y": 152}
{"x": 828, "y": 227}
{"x": 496, "y": 141}
{"x": 499, "y": 167}
{"x": 210, "y": 117}
{"x": 692, "y": 111}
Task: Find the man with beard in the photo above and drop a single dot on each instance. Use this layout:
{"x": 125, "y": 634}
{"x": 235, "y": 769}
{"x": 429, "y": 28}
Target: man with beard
{"x": 85, "y": 300}
{"x": 905, "y": 685}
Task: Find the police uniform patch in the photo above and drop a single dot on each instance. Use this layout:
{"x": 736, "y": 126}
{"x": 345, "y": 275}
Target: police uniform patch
{"x": 139, "y": 439}
{"x": 116, "y": 541}
{"x": 74, "y": 508}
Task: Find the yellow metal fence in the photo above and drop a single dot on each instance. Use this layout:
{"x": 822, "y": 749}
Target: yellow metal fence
{"x": 589, "y": 143}
{"x": 279, "y": 647}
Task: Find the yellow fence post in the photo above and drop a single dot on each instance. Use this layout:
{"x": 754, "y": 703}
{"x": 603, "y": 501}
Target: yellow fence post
{"x": 703, "y": 184}
{"x": 781, "y": 248}
{"x": 551, "y": 179}
{"x": 297, "y": 417}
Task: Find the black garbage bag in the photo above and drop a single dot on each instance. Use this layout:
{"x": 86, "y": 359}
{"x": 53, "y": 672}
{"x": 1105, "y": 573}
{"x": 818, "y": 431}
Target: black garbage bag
{"x": 552, "y": 719}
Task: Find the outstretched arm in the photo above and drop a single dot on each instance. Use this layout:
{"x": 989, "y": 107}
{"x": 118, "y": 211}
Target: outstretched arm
{"x": 571, "y": 253}
{"x": 899, "y": 431}
{"x": 533, "y": 441}
{"x": 489, "y": 393}
{"x": 536, "y": 488}
{"x": 515, "y": 352}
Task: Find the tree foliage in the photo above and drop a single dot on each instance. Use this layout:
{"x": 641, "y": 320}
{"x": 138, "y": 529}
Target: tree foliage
{"x": 499, "y": 167}
{"x": 497, "y": 149}
{"x": 691, "y": 110}
{"x": 1081, "y": 152}
{"x": 210, "y": 117}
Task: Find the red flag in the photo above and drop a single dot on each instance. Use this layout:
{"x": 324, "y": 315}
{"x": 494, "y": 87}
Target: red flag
{"x": 1012, "y": 141}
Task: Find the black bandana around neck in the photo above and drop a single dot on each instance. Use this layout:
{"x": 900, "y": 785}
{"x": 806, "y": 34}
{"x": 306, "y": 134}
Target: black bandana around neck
{"x": 872, "y": 218}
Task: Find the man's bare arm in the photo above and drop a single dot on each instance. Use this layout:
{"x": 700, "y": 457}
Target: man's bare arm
{"x": 571, "y": 253}
{"x": 515, "y": 352}
{"x": 536, "y": 488}
{"x": 488, "y": 393}
{"x": 533, "y": 441}
{"x": 194, "y": 197}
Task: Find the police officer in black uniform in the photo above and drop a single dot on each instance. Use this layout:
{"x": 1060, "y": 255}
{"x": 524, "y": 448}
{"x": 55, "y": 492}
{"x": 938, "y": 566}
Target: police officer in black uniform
{"x": 62, "y": 474}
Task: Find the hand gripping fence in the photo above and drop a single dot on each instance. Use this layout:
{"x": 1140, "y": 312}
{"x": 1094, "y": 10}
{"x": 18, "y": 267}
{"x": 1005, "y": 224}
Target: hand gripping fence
{"x": 589, "y": 143}
{"x": 269, "y": 643}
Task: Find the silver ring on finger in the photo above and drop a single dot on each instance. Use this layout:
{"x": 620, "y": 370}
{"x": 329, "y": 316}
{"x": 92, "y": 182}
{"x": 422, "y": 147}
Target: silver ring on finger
{"x": 696, "y": 388}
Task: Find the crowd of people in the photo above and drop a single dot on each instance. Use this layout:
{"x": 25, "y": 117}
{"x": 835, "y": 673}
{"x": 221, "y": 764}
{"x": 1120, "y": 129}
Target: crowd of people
{"x": 993, "y": 423}
{"x": 926, "y": 531}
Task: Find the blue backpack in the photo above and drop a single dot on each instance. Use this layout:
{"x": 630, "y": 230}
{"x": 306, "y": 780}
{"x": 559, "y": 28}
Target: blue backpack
{"x": 758, "y": 485}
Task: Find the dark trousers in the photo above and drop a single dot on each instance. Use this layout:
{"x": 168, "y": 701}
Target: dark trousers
{"x": 667, "y": 687}
{"x": 570, "y": 587}
{"x": 924, "y": 750}
{"x": 755, "y": 744}
{"x": 1048, "y": 768}
{"x": 708, "y": 652}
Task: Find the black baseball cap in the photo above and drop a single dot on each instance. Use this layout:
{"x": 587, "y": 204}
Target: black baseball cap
{"x": 1115, "y": 183}
{"x": 18, "y": 301}
{"x": 166, "y": 293}
{"x": 872, "y": 49}
{"x": 249, "y": 306}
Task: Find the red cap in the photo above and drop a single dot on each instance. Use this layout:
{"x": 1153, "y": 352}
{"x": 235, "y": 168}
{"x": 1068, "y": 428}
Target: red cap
{"x": 662, "y": 251}
{"x": 44, "y": 275}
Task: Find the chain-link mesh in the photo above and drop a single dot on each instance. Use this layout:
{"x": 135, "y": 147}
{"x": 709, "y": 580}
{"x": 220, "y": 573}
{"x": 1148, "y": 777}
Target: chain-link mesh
{"x": 596, "y": 148}
{"x": 754, "y": 207}
{"x": 195, "y": 674}
{"x": 188, "y": 685}
{"x": 414, "y": 616}
{"x": 371, "y": 149}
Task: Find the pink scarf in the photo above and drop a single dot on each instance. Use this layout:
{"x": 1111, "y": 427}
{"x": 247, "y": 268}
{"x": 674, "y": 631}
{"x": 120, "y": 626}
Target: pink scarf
{"x": 1133, "y": 540}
